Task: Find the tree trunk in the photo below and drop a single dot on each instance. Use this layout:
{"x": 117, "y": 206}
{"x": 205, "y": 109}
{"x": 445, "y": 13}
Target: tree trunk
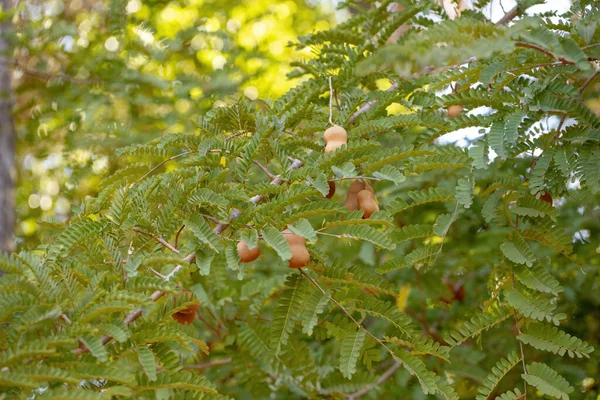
{"x": 7, "y": 140}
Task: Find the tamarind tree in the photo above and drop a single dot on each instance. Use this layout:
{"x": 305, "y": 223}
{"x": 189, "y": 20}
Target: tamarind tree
{"x": 434, "y": 269}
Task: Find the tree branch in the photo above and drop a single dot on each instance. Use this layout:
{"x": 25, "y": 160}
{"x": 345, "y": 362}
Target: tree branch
{"x": 367, "y": 106}
{"x": 265, "y": 170}
{"x": 384, "y": 377}
{"x": 214, "y": 363}
{"x": 185, "y": 153}
{"x": 158, "y": 239}
{"x": 509, "y": 16}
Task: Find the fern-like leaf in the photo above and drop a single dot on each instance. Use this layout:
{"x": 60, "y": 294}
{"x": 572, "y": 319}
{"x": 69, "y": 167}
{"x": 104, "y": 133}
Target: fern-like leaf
{"x": 547, "y": 381}
{"x": 350, "y": 352}
{"x": 286, "y": 312}
{"x": 539, "y": 308}
{"x": 500, "y": 370}
{"x": 550, "y": 338}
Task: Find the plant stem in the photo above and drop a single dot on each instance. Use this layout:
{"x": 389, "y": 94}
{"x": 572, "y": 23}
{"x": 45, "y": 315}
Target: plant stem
{"x": 158, "y": 239}
{"x": 341, "y": 307}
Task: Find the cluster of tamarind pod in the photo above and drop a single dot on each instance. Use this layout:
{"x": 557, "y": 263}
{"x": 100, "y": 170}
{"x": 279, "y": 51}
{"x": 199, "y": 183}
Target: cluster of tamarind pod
{"x": 361, "y": 196}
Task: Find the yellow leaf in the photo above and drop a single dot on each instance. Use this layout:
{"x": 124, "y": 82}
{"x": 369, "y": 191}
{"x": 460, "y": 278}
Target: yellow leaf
{"x": 223, "y": 161}
{"x": 402, "y": 297}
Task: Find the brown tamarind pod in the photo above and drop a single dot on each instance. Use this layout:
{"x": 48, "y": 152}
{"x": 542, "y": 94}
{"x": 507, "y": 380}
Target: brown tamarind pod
{"x": 351, "y": 198}
{"x": 546, "y": 197}
{"x": 331, "y": 189}
{"x": 334, "y": 137}
{"x": 246, "y": 254}
{"x": 367, "y": 202}
{"x": 351, "y": 201}
{"x": 188, "y": 314}
{"x": 455, "y": 110}
{"x": 300, "y": 255}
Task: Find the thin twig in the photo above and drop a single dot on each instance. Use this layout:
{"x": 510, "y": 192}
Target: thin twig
{"x": 65, "y": 318}
{"x": 329, "y": 234}
{"x": 542, "y": 50}
{"x": 177, "y": 236}
{"x": 210, "y": 217}
{"x": 341, "y": 307}
{"x": 384, "y": 377}
{"x": 526, "y": 67}
{"x": 233, "y": 135}
{"x": 590, "y": 46}
{"x": 520, "y": 343}
{"x": 160, "y": 164}
{"x": 158, "y": 239}
{"x": 509, "y": 16}
{"x": 367, "y": 106}
{"x": 356, "y": 177}
{"x": 330, "y": 102}
{"x": 565, "y": 114}
{"x": 445, "y": 233}
{"x": 265, "y": 170}
{"x": 200, "y": 367}
{"x": 588, "y": 81}
{"x": 155, "y": 272}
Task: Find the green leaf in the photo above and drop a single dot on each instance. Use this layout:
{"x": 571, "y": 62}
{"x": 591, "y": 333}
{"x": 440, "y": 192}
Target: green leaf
{"x": 206, "y": 196}
{"x": 204, "y": 260}
{"x": 313, "y": 306}
{"x": 538, "y": 173}
{"x": 203, "y": 232}
{"x": 547, "y": 381}
{"x": 232, "y": 257}
{"x": 275, "y": 239}
{"x": 518, "y": 251}
{"x": 537, "y": 278}
{"x": 303, "y": 228}
{"x": 148, "y": 362}
{"x": 286, "y": 312}
{"x": 118, "y": 330}
{"x": 250, "y": 237}
{"x": 319, "y": 182}
{"x": 95, "y": 346}
{"x": 416, "y": 367}
{"x": 550, "y": 338}
{"x": 479, "y": 153}
{"x": 464, "y": 191}
{"x": 478, "y": 324}
{"x": 442, "y": 224}
{"x": 514, "y": 394}
{"x": 497, "y": 139}
{"x": 539, "y": 308}
{"x": 499, "y": 371}
{"x": 350, "y": 352}
{"x": 369, "y": 234}
{"x": 348, "y": 170}
{"x": 390, "y": 173}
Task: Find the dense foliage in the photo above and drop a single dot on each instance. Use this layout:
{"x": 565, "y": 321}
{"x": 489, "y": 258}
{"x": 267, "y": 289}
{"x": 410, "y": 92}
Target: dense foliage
{"x": 477, "y": 278}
